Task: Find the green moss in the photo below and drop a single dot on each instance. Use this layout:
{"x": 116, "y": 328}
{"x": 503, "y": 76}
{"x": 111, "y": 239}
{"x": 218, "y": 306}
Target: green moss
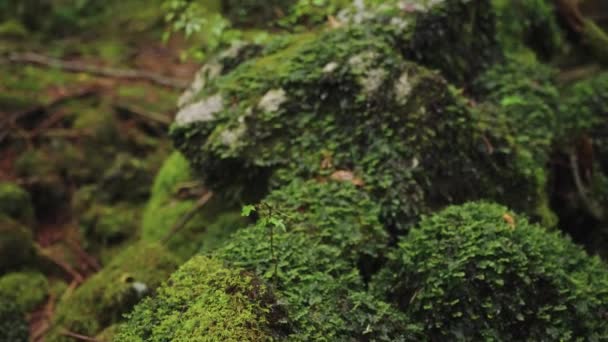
{"x": 26, "y": 289}
{"x": 13, "y": 326}
{"x": 16, "y": 203}
{"x": 518, "y": 120}
{"x": 107, "y": 227}
{"x": 339, "y": 100}
{"x": 531, "y": 24}
{"x": 108, "y": 334}
{"x": 16, "y": 245}
{"x": 478, "y": 271}
{"x": 105, "y": 297}
{"x": 309, "y": 244}
{"x": 171, "y": 201}
{"x": 207, "y": 300}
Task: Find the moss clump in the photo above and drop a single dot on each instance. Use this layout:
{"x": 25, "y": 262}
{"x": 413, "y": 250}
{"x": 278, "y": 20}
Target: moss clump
{"x": 478, "y": 271}
{"x": 518, "y": 120}
{"x": 16, "y": 203}
{"x": 26, "y": 289}
{"x": 314, "y": 243}
{"x": 13, "y": 326}
{"x": 105, "y": 297}
{"x": 208, "y": 300}
{"x": 173, "y": 196}
{"x": 254, "y": 13}
{"x": 308, "y": 247}
{"x": 342, "y": 100}
{"x": 107, "y": 226}
{"x": 16, "y": 245}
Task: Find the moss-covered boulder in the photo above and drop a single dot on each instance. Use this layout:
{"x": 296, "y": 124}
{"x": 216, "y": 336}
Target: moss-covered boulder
{"x": 174, "y": 196}
{"x": 298, "y": 274}
{"x": 17, "y": 247}
{"x": 102, "y": 299}
{"x": 340, "y": 100}
{"x": 106, "y": 226}
{"x": 16, "y": 203}
{"x": 13, "y": 326}
{"x": 479, "y": 271}
{"x": 26, "y": 289}
{"x": 207, "y": 301}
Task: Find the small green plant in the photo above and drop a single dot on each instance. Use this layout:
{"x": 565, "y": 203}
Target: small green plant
{"x": 196, "y": 20}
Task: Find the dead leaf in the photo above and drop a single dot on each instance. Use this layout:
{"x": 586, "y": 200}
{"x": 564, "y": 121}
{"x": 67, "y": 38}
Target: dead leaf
{"x": 509, "y": 220}
{"x": 346, "y": 176}
{"x": 334, "y": 23}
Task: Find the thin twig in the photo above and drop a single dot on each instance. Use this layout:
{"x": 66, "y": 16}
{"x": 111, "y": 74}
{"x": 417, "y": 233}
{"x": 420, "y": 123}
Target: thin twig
{"x": 160, "y": 118}
{"x": 71, "y": 66}
{"x": 77, "y": 336}
{"x": 189, "y": 215}
{"x": 77, "y": 277}
{"x": 592, "y": 207}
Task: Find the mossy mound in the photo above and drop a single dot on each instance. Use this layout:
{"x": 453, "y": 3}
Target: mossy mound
{"x": 26, "y": 289}
{"x": 13, "y": 326}
{"x": 478, "y": 271}
{"x": 518, "y": 117}
{"x": 17, "y": 247}
{"x": 107, "y": 226}
{"x": 16, "y": 203}
{"x": 206, "y": 300}
{"x": 105, "y": 297}
{"x": 174, "y": 195}
{"x": 340, "y": 100}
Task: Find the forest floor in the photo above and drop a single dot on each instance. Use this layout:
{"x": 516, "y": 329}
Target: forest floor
{"x": 83, "y": 118}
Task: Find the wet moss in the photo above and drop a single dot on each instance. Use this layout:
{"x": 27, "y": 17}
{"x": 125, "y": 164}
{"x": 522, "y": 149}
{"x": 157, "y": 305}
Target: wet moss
{"x": 206, "y": 299}
{"x": 16, "y": 245}
{"x": 479, "y": 271}
{"x": 26, "y": 289}
{"x": 105, "y": 297}
{"x": 174, "y": 195}
{"x": 16, "y": 203}
{"x": 13, "y": 326}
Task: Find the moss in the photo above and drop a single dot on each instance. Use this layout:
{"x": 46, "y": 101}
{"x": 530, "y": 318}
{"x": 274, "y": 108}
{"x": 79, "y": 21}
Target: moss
{"x": 13, "y": 326}
{"x": 26, "y": 289}
{"x": 108, "y": 334}
{"x": 16, "y": 203}
{"x": 16, "y": 245}
{"x": 207, "y": 300}
{"x": 518, "y": 119}
{"x": 171, "y": 201}
{"x": 254, "y": 13}
{"x": 531, "y": 24}
{"x": 326, "y": 233}
{"x": 339, "y": 100}
{"x": 105, "y": 226}
{"x": 105, "y": 297}
{"x": 479, "y": 271}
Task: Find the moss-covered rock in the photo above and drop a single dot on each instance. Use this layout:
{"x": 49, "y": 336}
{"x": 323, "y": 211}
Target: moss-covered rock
{"x": 17, "y": 247}
{"x": 207, "y": 301}
{"x": 479, "y": 271}
{"x": 13, "y": 326}
{"x": 105, "y": 226}
{"x": 26, "y": 289}
{"x": 312, "y": 247}
{"x": 174, "y": 195}
{"x": 16, "y": 203}
{"x": 105, "y": 297}
{"x": 518, "y": 118}
{"x": 339, "y": 100}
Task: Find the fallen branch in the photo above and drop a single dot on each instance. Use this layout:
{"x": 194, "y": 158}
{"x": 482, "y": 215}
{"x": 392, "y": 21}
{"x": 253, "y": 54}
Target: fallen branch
{"x": 37, "y": 59}
{"x": 77, "y": 277}
{"x": 79, "y": 337}
{"x": 153, "y": 116}
{"x": 189, "y": 215}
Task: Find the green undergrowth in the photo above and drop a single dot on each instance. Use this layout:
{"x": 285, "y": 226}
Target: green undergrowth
{"x": 102, "y": 299}
{"x": 174, "y": 195}
{"x": 479, "y": 271}
{"x": 13, "y": 326}
{"x": 27, "y": 289}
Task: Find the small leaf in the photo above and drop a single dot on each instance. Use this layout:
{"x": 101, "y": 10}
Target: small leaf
{"x": 247, "y": 210}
